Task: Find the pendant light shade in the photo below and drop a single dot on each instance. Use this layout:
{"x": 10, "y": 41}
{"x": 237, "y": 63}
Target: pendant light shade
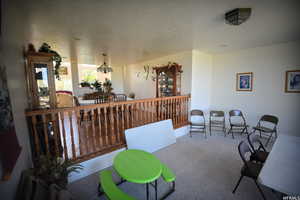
{"x": 104, "y": 68}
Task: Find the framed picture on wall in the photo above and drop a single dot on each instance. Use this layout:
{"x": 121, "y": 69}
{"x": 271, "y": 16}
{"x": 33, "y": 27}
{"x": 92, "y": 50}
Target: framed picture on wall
{"x": 292, "y": 81}
{"x": 244, "y": 81}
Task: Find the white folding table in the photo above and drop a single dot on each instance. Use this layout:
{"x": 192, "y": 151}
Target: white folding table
{"x": 281, "y": 170}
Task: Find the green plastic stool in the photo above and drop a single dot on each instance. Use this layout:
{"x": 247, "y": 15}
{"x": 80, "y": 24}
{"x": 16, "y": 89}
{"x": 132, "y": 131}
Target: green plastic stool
{"x": 168, "y": 176}
{"x": 110, "y": 189}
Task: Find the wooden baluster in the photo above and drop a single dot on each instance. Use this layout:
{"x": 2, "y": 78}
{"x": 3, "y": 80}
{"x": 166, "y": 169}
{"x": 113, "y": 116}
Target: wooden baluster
{"x": 139, "y": 116}
{"x": 111, "y": 133}
{"x": 148, "y": 112}
{"x": 99, "y": 128}
{"x": 176, "y": 112}
{"x": 106, "y": 127}
{"x": 136, "y": 115}
{"x": 94, "y": 140}
{"x": 79, "y": 121}
{"x": 156, "y": 110}
{"x": 145, "y": 113}
{"x": 184, "y": 109}
{"x": 45, "y": 131}
{"x": 171, "y": 111}
{"x": 141, "y": 120}
{"x": 133, "y": 113}
{"x": 122, "y": 132}
{"x": 180, "y": 111}
{"x": 35, "y": 135}
{"x": 86, "y": 131}
{"x": 55, "y": 121}
{"x": 166, "y": 108}
{"x": 127, "y": 109}
{"x": 117, "y": 131}
{"x": 151, "y": 111}
{"x": 72, "y": 134}
{"x": 187, "y": 110}
{"x": 160, "y": 110}
{"x": 64, "y": 135}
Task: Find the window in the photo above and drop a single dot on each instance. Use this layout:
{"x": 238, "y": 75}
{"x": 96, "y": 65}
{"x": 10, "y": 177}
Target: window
{"x": 65, "y": 82}
{"x": 89, "y": 73}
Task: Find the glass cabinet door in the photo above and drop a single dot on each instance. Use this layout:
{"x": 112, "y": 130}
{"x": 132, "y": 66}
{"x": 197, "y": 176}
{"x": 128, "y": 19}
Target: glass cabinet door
{"x": 42, "y": 84}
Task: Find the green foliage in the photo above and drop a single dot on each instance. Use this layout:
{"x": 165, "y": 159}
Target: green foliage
{"x": 107, "y": 86}
{"x": 56, "y": 57}
{"x": 97, "y": 85}
{"x": 52, "y": 169}
{"x": 85, "y": 84}
{"x": 89, "y": 76}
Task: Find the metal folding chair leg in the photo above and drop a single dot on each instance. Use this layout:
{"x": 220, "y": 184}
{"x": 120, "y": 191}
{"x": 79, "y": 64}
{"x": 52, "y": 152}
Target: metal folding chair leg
{"x": 269, "y": 139}
{"x": 260, "y": 190}
{"x": 237, "y": 184}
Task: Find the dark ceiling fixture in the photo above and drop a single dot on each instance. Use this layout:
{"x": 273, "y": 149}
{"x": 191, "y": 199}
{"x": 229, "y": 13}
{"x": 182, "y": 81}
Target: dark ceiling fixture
{"x": 237, "y": 16}
{"x": 104, "y": 68}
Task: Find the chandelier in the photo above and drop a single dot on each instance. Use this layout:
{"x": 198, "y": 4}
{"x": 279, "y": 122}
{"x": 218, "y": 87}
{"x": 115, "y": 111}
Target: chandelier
{"x": 104, "y": 68}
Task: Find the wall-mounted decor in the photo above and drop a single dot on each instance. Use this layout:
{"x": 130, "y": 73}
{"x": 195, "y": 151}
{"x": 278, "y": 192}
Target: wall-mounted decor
{"x": 9, "y": 145}
{"x": 292, "y": 81}
{"x": 63, "y": 71}
{"x": 146, "y": 73}
{"x": 244, "y": 81}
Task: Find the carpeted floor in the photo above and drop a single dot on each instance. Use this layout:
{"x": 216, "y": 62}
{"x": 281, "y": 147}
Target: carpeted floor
{"x": 205, "y": 169}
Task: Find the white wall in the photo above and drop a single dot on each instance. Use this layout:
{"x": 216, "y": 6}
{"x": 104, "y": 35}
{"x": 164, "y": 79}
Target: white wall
{"x": 146, "y": 88}
{"x": 268, "y": 65}
{"x": 15, "y": 36}
{"x": 201, "y": 81}
{"x": 117, "y": 80}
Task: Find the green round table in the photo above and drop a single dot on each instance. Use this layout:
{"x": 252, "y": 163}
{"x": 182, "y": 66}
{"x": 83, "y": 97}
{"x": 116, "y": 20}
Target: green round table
{"x": 137, "y": 166}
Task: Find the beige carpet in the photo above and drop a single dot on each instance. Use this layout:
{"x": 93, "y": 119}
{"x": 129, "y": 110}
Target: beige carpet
{"x": 205, "y": 169}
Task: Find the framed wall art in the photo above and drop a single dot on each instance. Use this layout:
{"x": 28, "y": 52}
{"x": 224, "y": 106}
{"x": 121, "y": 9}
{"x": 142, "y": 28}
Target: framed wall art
{"x": 244, "y": 81}
{"x": 292, "y": 81}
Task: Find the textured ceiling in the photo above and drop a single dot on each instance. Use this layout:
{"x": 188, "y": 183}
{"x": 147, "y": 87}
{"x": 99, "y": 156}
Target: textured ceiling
{"x": 134, "y": 30}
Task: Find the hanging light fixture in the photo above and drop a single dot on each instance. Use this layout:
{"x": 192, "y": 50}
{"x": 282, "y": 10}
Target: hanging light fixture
{"x": 237, "y": 16}
{"x": 104, "y": 68}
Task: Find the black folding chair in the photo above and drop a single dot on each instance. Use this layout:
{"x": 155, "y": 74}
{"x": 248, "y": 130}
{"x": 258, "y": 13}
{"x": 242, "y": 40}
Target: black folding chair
{"x": 262, "y": 128}
{"x": 250, "y": 169}
{"x": 239, "y": 126}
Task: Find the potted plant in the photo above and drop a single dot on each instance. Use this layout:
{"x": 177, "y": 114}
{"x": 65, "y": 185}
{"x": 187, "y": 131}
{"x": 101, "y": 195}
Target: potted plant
{"x": 55, "y": 170}
{"x": 85, "y": 84}
{"x": 107, "y": 86}
{"x": 97, "y": 85}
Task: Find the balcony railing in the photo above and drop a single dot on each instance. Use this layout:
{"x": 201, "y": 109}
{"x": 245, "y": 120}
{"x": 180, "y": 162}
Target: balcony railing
{"x": 84, "y": 132}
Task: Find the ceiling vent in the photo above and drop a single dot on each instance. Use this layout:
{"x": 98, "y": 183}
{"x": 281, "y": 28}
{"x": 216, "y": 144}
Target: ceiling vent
{"x": 237, "y": 16}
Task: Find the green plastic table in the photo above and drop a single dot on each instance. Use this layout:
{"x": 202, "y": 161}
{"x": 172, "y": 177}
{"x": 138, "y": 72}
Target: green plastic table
{"x": 137, "y": 166}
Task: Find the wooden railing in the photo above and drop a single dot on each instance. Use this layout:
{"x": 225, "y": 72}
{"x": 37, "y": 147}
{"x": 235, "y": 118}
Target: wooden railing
{"x": 83, "y": 132}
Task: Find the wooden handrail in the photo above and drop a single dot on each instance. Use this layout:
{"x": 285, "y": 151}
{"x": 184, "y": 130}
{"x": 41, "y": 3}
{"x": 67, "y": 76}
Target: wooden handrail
{"x": 83, "y": 132}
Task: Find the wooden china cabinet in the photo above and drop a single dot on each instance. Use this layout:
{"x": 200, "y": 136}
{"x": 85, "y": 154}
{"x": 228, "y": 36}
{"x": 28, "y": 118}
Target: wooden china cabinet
{"x": 168, "y": 80}
{"x": 40, "y": 80}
